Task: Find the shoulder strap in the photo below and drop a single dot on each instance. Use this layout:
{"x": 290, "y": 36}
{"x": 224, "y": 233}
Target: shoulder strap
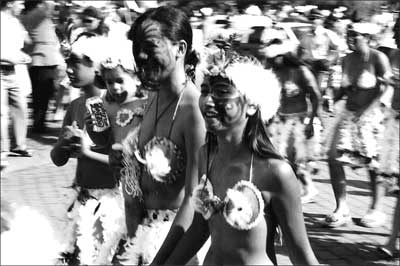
{"x": 175, "y": 111}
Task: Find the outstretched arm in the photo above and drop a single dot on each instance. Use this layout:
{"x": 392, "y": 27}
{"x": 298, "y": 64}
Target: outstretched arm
{"x": 286, "y": 205}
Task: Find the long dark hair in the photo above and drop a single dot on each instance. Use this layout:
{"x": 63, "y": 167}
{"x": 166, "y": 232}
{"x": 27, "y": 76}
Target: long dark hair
{"x": 256, "y": 137}
{"x": 175, "y": 25}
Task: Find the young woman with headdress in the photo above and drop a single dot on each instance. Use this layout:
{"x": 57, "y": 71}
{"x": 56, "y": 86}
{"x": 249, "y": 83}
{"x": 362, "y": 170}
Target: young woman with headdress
{"x": 246, "y": 188}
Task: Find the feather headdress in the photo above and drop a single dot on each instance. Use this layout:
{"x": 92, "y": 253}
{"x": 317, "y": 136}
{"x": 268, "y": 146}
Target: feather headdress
{"x": 259, "y": 85}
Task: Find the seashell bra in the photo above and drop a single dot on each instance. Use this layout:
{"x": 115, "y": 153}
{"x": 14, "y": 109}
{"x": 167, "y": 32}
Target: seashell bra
{"x": 161, "y": 158}
{"x": 237, "y": 208}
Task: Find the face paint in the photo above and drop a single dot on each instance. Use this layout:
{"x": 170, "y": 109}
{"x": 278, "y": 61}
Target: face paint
{"x": 221, "y": 104}
{"x": 155, "y": 55}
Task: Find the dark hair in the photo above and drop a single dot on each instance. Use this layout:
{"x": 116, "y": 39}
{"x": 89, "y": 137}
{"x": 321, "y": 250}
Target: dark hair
{"x": 175, "y": 25}
{"x": 255, "y": 135}
{"x": 31, "y": 4}
{"x": 4, "y": 3}
{"x": 93, "y": 12}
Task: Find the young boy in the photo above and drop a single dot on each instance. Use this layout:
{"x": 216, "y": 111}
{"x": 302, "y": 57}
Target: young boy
{"x": 99, "y": 201}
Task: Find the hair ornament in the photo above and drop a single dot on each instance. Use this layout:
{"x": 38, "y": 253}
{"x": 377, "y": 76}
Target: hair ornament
{"x": 259, "y": 85}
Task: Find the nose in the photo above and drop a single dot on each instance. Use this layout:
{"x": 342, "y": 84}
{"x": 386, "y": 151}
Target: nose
{"x": 69, "y": 71}
{"x": 116, "y": 87}
{"x": 208, "y": 100}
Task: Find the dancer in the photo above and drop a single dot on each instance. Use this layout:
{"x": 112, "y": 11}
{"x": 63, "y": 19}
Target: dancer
{"x": 161, "y": 158}
{"x": 296, "y": 131}
{"x": 98, "y": 206}
{"x": 246, "y": 188}
{"x": 389, "y": 155}
{"x": 356, "y": 130}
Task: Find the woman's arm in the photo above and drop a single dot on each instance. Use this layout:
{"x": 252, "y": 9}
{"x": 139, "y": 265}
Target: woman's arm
{"x": 194, "y": 137}
{"x": 286, "y": 205}
{"x": 191, "y": 242}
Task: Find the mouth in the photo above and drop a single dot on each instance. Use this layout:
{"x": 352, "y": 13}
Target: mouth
{"x": 210, "y": 114}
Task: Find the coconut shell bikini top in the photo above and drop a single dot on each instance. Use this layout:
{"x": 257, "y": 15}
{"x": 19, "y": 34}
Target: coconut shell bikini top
{"x": 161, "y": 159}
{"x": 242, "y": 208}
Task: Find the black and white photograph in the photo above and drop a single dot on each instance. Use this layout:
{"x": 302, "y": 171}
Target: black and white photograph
{"x": 200, "y": 132}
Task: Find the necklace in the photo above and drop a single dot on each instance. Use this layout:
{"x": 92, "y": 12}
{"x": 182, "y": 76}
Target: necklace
{"x": 158, "y": 116}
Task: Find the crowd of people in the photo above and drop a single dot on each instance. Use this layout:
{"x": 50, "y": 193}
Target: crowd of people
{"x": 191, "y": 151}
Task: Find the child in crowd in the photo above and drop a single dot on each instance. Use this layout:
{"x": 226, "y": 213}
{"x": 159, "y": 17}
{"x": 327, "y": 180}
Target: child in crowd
{"x": 97, "y": 213}
{"x": 124, "y": 104}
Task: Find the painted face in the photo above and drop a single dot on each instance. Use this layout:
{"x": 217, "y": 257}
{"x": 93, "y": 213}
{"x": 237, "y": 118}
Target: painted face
{"x": 354, "y": 40}
{"x": 155, "y": 55}
{"x": 80, "y": 70}
{"x": 119, "y": 83}
{"x": 221, "y": 104}
{"x": 90, "y": 23}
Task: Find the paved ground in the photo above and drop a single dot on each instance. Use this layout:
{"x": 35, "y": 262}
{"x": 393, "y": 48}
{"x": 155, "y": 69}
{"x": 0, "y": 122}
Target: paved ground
{"x": 38, "y": 183}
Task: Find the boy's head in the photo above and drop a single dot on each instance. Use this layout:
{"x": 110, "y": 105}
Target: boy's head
{"x": 84, "y": 60}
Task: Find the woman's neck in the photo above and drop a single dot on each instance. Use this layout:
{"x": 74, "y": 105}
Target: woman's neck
{"x": 232, "y": 141}
{"x": 91, "y": 91}
{"x": 364, "y": 52}
{"x": 176, "y": 83}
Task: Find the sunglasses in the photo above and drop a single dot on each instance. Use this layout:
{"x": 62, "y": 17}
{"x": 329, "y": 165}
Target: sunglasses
{"x": 87, "y": 20}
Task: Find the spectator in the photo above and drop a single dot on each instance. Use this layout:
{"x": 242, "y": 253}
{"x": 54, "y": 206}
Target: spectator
{"x": 46, "y": 56}
{"x": 13, "y": 97}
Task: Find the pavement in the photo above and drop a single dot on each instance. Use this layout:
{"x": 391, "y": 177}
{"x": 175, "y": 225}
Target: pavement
{"x": 38, "y": 183}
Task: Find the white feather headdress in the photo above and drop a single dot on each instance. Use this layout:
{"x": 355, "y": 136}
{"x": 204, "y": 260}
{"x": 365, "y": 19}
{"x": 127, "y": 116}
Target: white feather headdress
{"x": 259, "y": 85}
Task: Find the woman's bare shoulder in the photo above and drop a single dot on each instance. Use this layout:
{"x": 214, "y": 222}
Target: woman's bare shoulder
{"x": 275, "y": 174}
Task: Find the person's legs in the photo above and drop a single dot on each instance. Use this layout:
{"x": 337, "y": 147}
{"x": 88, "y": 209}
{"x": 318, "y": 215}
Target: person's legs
{"x": 17, "y": 103}
{"x": 378, "y": 190}
{"x": 43, "y": 87}
{"x": 60, "y": 88}
{"x": 301, "y": 155}
{"x": 370, "y": 132}
{"x": 341, "y": 214}
{"x": 4, "y": 123}
{"x": 391, "y": 243}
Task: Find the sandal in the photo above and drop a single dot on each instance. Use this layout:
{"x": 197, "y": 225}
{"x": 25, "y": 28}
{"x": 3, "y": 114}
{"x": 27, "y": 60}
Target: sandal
{"x": 21, "y": 153}
{"x": 385, "y": 253}
{"x": 337, "y": 219}
{"x": 373, "y": 219}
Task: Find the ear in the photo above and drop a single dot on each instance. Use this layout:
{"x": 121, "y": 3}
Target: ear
{"x": 182, "y": 49}
{"x": 251, "y": 109}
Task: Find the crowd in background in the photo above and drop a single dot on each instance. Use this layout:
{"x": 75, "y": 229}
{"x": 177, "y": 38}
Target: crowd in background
{"x": 338, "y": 75}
